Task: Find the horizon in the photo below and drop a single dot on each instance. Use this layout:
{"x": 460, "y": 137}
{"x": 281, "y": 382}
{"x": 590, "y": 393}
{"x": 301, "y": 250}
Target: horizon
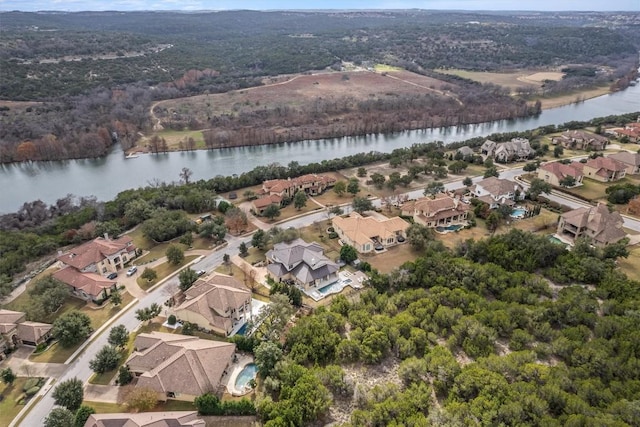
{"x": 192, "y": 6}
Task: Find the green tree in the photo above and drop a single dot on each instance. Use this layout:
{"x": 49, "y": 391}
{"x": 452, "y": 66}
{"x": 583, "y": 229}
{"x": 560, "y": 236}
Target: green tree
{"x": 361, "y": 204}
{"x": 213, "y": 230}
{"x": 7, "y": 376}
{"x": 187, "y": 239}
{"x": 82, "y": 415}
{"x": 339, "y": 188}
{"x": 362, "y": 172}
{"x": 149, "y": 274}
{"x": 353, "y": 187}
{"x": 148, "y": 313}
{"x": 175, "y": 255}
{"x": 208, "y": 404}
{"x": 491, "y": 171}
{"x": 530, "y": 167}
{"x": 568, "y": 181}
{"x": 69, "y": 394}
{"x": 118, "y": 336}
{"x": 348, "y": 254}
{"x": 378, "y": 180}
{"x": 266, "y": 355}
{"x": 467, "y": 182}
{"x": 72, "y": 328}
{"x": 300, "y": 199}
{"x": 106, "y": 359}
{"x": 272, "y": 211}
{"x": 419, "y": 236}
{"x": 433, "y": 188}
{"x": 187, "y": 278}
{"x": 274, "y": 316}
{"x": 558, "y": 151}
{"x": 493, "y": 220}
{"x": 243, "y": 251}
{"x": 537, "y": 187}
{"x": 259, "y": 239}
{"x": 124, "y": 376}
{"x": 59, "y": 417}
{"x": 116, "y": 297}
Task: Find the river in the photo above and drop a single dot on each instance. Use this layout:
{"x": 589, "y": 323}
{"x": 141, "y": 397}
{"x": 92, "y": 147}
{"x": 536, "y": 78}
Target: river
{"x": 107, "y": 176}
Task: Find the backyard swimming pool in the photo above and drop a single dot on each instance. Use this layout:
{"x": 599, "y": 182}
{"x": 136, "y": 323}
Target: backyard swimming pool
{"x": 247, "y": 374}
{"x": 448, "y": 228}
{"x": 335, "y": 287}
{"x": 518, "y": 213}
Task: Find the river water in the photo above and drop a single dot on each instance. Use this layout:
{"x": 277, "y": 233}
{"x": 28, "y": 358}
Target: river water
{"x": 105, "y": 177}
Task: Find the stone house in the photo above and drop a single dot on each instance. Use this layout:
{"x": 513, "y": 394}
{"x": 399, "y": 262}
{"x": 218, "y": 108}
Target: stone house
{"x": 597, "y": 223}
{"x": 438, "y": 211}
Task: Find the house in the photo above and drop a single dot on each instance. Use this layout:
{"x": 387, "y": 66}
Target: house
{"x": 302, "y": 262}
{"x": 260, "y": 204}
{"x": 15, "y": 330}
{"x": 631, "y": 160}
{"x": 495, "y": 192}
{"x": 517, "y": 149}
{"x": 86, "y": 267}
{"x": 440, "y": 210}
{"x": 180, "y": 367}
{"x": 365, "y": 234}
{"x": 466, "y": 152}
{"x": 146, "y": 419}
{"x": 311, "y": 184}
{"x": 597, "y": 223}
{"x": 555, "y": 172}
{"x": 604, "y": 169}
{"x": 216, "y": 303}
{"x": 631, "y": 131}
{"x": 581, "y": 140}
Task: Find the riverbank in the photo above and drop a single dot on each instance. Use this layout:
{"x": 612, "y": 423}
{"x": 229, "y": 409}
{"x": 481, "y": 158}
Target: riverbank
{"x": 573, "y": 98}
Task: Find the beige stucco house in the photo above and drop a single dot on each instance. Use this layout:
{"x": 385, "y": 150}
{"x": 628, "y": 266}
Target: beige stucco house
{"x": 365, "y": 233}
{"x": 597, "y": 223}
{"x": 495, "y": 192}
{"x": 216, "y": 303}
{"x": 555, "y": 172}
{"x": 630, "y": 160}
{"x": 15, "y": 330}
{"x": 604, "y": 169}
{"x": 179, "y": 367}
{"x": 146, "y": 419}
{"x": 437, "y": 211}
{"x": 581, "y": 140}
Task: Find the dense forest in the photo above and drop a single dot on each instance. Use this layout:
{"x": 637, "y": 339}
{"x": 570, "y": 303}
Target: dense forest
{"x": 91, "y": 77}
{"x": 507, "y": 331}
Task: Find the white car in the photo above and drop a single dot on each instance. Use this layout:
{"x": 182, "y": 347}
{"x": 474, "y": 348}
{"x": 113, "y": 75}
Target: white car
{"x": 131, "y": 271}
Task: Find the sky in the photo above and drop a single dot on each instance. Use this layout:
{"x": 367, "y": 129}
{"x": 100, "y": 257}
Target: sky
{"x": 128, "y": 5}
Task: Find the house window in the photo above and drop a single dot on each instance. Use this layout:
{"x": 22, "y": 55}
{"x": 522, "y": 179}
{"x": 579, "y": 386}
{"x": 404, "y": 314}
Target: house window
{"x": 104, "y": 270}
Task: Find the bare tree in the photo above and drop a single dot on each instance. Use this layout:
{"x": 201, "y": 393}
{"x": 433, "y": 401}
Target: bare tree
{"x": 185, "y": 175}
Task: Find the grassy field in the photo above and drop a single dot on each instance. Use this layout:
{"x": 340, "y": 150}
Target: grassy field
{"x": 163, "y": 270}
{"x": 631, "y": 265}
{"x": 392, "y": 258}
{"x": 513, "y": 81}
{"x": 9, "y": 407}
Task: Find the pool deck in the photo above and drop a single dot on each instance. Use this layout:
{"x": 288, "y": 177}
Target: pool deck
{"x": 355, "y": 280}
{"x": 234, "y": 370}
{"x": 256, "y": 305}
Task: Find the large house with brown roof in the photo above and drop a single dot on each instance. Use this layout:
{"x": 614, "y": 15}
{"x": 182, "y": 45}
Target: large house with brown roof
{"x": 367, "y": 233}
{"x": 440, "y": 210}
{"x": 555, "y": 173}
{"x": 581, "y": 140}
{"x": 597, "y": 223}
{"x": 604, "y": 169}
{"x": 180, "y": 367}
{"x": 495, "y": 192}
{"x": 86, "y": 267}
{"x": 217, "y": 303}
{"x": 278, "y": 190}
{"x": 631, "y": 161}
{"x": 302, "y": 262}
{"x": 15, "y": 330}
{"x": 516, "y": 149}
{"x": 146, "y": 419}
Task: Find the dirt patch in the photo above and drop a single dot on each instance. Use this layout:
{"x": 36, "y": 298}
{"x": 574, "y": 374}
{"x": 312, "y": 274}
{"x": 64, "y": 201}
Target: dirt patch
{"x": 542, "y": 76}
{"x": 513, "y": 80}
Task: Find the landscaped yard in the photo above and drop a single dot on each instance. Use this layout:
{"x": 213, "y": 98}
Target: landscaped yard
{"x": 592, "y": 190}
{"x": 111, "y": 408}
{"x": 9, "y": 407}
{"x": 631, "y": 265}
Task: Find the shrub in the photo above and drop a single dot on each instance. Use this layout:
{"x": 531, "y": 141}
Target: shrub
{"x": 32, "y": 391}
{"x": 171, "y": 320}
{"x": 30, "y": 383}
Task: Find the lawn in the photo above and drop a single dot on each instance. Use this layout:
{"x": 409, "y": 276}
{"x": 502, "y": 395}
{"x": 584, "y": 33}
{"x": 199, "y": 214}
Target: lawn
{"x": 9, "y": 407}
{"x": 631, "y": 265}
{"x": 591, "y": 190}
{"x": 290, "y": 211}
{"x": 163, "y": 270}
{"x": 56, "y": 353}
{"x": 392, "y": 258}
{"x": 111, "y": 408}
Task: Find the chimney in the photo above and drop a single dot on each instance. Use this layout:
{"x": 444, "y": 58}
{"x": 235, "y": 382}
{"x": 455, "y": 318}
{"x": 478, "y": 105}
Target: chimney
{"x": 106, "y": 236}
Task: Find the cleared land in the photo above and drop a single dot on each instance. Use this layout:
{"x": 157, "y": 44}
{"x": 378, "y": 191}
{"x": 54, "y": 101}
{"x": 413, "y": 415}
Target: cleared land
{"x": 513, "y": 81}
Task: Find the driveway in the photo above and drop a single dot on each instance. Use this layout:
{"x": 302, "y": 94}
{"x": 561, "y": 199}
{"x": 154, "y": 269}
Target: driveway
{"x": 21, "y": 365}
{"x": 102, "y": 393}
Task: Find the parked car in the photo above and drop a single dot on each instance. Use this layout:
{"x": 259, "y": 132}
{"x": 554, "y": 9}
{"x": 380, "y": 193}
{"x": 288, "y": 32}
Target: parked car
{"x": 200, "y": 272}
{"x": 131, "y": 271}
{"x": 112, "y": 276}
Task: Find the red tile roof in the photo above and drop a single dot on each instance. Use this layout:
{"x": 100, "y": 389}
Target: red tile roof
{"x": 95, "y": 251}
{"x": 91, "y": 283}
